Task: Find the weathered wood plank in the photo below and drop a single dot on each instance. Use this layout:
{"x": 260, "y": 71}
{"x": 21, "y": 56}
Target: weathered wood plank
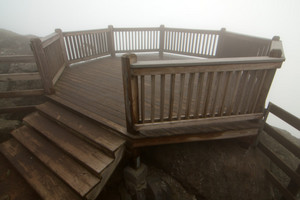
{"x": 17, "y": 59}
{"x": 290, "y": 172}
{"x": 66, "y": 168}
{"x": 192, "y": 122}
{"x": 280, "y": 187}
{"x": 20, "y": 76}
{"x": 17, "y": 109}
{"x": 284, "y": 115}
{"x": 22, "y": 93}
{"x": 84, "y": 152}
{"x": 293, "y": 148}
{"x": 45, "y": 182}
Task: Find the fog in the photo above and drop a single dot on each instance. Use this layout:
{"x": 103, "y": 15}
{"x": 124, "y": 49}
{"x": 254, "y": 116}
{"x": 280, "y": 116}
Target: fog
{"x": 264, "y": 18}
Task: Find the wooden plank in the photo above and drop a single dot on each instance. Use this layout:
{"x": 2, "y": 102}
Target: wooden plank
{"x": 49, "y": 39}
{"x": 279, "y": 186}
{"x": 96, "y": 133}
{"x": 17, "y": 59}
{"x": 173, "y": 139}
{"x": 182, "y": 83}
{"x": 20, "y": 76}
{"x": 284, "y": 115}
{"x": 152, "y": 98}
{"x": 45, "y": 182}
{"x": 84, "y": 152}
{"x": 190, "y": 95}
{"x": 285, "y": 168}
{"x": 200, "y": 121}
{"x": 76, "y": 176}
{"x": 143, "y": 98}
{"x": 162, "y": 96}
{"x": 22, "y": 93}
{"x": 17, "y": 109}
{"x": 171, "y": 101}
{"x": 292, "y": 147}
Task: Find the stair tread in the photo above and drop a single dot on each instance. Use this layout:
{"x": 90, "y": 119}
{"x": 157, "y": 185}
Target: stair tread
{"x": 75, "y": 175}
{"x": 78, "y": 148}
{"x": 91, "y": 130}
{"x": 45, "y": 182}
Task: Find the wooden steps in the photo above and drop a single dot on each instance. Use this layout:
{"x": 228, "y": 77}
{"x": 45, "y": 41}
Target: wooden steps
{"x": 63, "y": 155}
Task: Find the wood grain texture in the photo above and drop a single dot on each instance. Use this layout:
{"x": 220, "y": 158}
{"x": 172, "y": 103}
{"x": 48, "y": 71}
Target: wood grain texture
{"x": 44, "y": 181}
{"x": 79, "y": 178}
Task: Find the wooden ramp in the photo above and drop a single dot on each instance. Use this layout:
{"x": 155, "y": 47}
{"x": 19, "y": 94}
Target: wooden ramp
{"x": 62, "y": 154}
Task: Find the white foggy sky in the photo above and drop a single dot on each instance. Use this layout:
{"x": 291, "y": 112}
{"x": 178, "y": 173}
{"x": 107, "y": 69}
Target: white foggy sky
{"x": 264, "y": 18}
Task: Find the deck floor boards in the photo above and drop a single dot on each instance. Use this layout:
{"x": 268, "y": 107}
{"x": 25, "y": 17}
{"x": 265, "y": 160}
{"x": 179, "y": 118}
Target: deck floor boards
{"x": 97, "y": 86}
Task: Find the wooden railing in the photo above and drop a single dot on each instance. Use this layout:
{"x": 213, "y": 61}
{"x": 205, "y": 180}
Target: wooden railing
{"x": 238, "y": 45}
{"x": 85, "y": 45}
{"x": 11, "y": 77}
{"x": 290, "y": 192}
{"x": 50, "y": 57}
{"x": 136, "y": 39}
{"x": 160, "y": 94}
{"x": 202, "y": 43}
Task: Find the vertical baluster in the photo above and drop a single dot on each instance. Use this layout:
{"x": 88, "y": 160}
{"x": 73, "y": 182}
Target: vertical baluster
{"x": 182, "y": 81}
{"x": 209, "y": 44}
{"x": 162, "y": 96}
{"x": 201, "y": 44}
{"x": 218, "y": 83}
{"x": 172, "y": 87}
{"x": 196, "y": 44}
{"x": 210, "y": 92}
{"x": 252, "y": 83}
{"x": 190, "y": 95}
{"x": 72, "y": 48}
{"x": 68, "y": 47}
{"x": 143, "y": 98}
{"x": 225, "y": 94}
{"x": 263, "y": 89}
{"x": 198, "y": 94}
{"x": 243, "y": 91}
{"x": 215, "y": 45}
{"x": 152, "y": 98}
{"x": 235, "y": 91}
{"x": 204, "y": 94}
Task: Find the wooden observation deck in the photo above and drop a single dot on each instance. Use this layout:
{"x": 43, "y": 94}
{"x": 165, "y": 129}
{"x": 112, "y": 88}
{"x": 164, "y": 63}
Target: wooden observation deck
{"x": 182, "y": 85}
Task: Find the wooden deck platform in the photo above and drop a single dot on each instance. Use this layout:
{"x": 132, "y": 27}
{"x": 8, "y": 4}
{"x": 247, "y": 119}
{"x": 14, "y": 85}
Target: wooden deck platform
{"x": 95, "y": 89}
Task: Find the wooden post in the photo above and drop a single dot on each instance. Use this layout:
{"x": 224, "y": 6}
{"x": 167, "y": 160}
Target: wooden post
{"x": 63, "y": 47}
{"x": 161, "y": 40}
{"x": 110, "y": 41}
{"x": 220, "y": 46}
{"x": 130, "y": 86}
{"x": 42, "y": 64}
{"x": 276, "y": 49}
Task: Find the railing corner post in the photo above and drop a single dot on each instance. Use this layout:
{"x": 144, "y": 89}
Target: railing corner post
{"x": 276, "y": 49}
{"x": 63, "y": 46}
{"x": 42, "y": 64}
{"x": 130, "y": 86}
{"x": 220, "y": 46}
{"x": 161, "y": 40}
{"x": 111, "y": 42}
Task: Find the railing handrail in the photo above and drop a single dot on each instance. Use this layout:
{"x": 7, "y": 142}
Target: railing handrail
{"x": 17, "y": 59}
{"x": 291, "y": 191}
{"x": 242, "y": 74}
{"x": 206, "y": 62}
{"x": 24, "y": 76}
{"x": 208, "y": 43}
